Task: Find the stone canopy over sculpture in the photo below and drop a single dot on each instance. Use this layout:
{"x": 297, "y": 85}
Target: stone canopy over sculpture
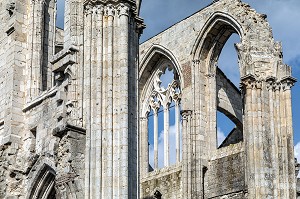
{"x": 76, "y": 105}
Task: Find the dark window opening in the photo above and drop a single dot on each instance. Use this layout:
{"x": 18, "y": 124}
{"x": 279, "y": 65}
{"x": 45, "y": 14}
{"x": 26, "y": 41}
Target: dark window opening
{"x": 59, "y": 25}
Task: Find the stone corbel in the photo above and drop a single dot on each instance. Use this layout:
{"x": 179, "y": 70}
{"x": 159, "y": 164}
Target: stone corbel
{"x": 64, "y": 58}
{"x": 65, "y": 127}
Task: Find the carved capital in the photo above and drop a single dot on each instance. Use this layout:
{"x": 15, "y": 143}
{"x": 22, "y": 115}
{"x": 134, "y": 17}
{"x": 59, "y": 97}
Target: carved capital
{"x": 110, "y": 10}
{"x": 288, "y": 82}
{"x": 185, "y": 114}
{"x": 38, "y": 1}
{"x": 248, "y": 82}
{"x": 99, "y": 9}
{"x": 88, "y": 9}
{"x": 270, "y": 82}
{"x": 276, "y": 86}
{"x": 123, "y": 9}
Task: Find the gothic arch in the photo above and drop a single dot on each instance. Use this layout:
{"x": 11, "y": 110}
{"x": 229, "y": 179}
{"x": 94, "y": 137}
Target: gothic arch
{"x": 43, "y": 186}
{"x": 155, "y": 54}
{"x": 153, "y": 96}
{"x": 258, "y": 53}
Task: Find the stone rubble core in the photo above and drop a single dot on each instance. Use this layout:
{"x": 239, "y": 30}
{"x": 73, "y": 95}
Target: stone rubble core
{"x": 76, "y": 104}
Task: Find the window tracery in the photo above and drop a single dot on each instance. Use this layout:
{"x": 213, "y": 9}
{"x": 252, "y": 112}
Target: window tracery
{"x": 165, "y": 94}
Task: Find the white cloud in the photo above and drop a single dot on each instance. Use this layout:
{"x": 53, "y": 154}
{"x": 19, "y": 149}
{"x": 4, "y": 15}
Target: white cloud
{"x": 220, "y": 136}
{"x": 172, "y": 148}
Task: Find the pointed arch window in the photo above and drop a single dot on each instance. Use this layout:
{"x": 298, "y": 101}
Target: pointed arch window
{"x": 163, "y": 116}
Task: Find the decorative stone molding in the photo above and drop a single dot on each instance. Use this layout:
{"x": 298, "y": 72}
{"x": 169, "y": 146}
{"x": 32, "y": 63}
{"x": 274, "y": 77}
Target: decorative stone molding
{"x": 60, "y": 130}
{"x": 109, "y": 10}
{"x": 186, "y": 114}
{"x": 123, "y": 9}
{"x": 288, "y": 82}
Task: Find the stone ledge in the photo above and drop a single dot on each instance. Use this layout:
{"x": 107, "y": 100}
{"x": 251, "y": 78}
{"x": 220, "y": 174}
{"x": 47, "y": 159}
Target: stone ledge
{"x": 63, "y": 58}
{"x": 40, "y": 98}
{"x": 161, "y": 172}
{"x": 9, "y": 139}
{"x": 228, "y": 150}
{"x": 62, "y": 129}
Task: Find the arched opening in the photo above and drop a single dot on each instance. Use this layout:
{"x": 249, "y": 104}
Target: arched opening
{"x": 59, "y": 25}
{"x": 228, "y": 60}
{"x": 215, "y": 50}
{"x": 229, "y": 99}
{"x": 164, "y": 117}
{"x": 44, "y": 185}
{"x": 160, "y": 97}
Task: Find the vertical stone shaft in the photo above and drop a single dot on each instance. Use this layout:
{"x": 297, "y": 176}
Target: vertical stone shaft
{"x": 98, "y": 109}
{"x": 273, "y": 138}
{"x": 177, "y": 125}
{"x": 155, "y": 139}
{"x": 187, "y": 155}
{"x": 166, "y": 136}
{"x": 124, "y": 95}
{"x": 249, "y": 146}
{"x": 36, "y": 49}
{"x": 144, "y": 151}
{"x": 87, "y": 98}
{"x": 287, "y": 84}
{"x": 94, "y": 108}
{"x": 109, "y": 106}
{"x": 107, "y": 96}
{"x": 116, "y": 103}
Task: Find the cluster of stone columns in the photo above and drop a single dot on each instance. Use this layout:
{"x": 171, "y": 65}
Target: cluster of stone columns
{"x": 269, "y": 137}
{"x": 109, "y": 32}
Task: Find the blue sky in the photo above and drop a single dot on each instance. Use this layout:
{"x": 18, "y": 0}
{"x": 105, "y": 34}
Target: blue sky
{"x": 283, "y": 16}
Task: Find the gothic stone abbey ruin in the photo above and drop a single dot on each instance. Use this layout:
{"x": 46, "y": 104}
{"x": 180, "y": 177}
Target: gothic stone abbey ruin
{"x": 75, "y": 105}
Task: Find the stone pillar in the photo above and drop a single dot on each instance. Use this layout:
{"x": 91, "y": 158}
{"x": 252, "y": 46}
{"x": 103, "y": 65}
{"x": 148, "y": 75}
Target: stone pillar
{"x": 155, "y": 138}
{"x": 186, "y": 154}
{"x": 37, "y": 36}
{"x": 268, "y": 138}
{"x": 111, "y": 158}
{"x": 177, "y": 125}
{"x": 144, "y": 149}
{"x": 166, "y": 136}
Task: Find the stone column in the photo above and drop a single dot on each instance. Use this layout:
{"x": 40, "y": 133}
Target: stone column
{"x": 37, "y": 37}
{"x": 89, "y": 179}
{"x": 187, "y": 154}
{"x": 155, "y": 118}
{"x": 111, "y": 169}
{"x": 268, "y": 138}
{"x": 177, "y": 125}
{"x": 166, "y": 135}
{"x": 144, "y": 149}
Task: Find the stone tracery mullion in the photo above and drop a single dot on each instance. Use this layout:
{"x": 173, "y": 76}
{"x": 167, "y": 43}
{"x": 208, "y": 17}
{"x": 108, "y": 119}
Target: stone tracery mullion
{"x": 162, "y": 97}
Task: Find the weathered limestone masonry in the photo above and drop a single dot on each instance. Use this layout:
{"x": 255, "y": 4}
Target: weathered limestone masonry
{"x": 75, "y": 104}
{"x": 262, "y": 164}
{"x": 68, "y": 105}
